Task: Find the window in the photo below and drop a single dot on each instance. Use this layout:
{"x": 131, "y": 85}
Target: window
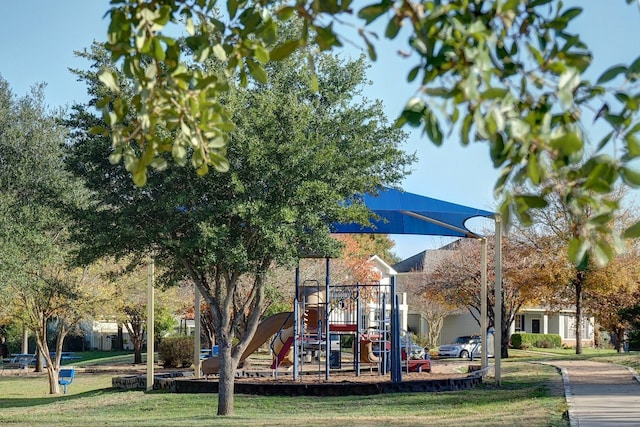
{"x": 519, "y": 322}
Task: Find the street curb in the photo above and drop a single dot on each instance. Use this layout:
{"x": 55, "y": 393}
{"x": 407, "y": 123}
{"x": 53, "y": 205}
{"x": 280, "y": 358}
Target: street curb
{"x": 634, "y": 373}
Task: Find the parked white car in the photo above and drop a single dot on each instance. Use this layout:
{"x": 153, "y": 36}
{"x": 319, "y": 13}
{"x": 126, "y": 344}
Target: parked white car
{"x": 461, "y": 347}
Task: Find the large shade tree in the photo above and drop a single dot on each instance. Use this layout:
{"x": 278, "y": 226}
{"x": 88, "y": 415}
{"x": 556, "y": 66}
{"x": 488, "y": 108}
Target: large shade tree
{"x": 457, "y": 276}
{"x": 39, "y": 284}
{"x": 295, "y": 156}
{"x": 611, "y": 292}
{"x": 557, "y": 229}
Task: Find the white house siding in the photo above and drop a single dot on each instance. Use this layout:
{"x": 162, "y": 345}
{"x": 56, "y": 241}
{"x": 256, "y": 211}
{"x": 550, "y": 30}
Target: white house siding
{"x": 560, "y": 323}
{"x": 456, "y": 325}
{"x": 99, "y": 335}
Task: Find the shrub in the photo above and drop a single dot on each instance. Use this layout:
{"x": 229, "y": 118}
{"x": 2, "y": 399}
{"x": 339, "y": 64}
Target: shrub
{"x": 176, "y": 352}
{"x": 545, "y": 340}
{"x": 544, "y": 344}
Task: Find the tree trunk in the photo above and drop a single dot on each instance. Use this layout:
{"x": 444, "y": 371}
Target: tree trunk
{"x": 619, "y": 332}
{"x": 505, "y": 335}
{"x": 54, "y": 387}
{"x": 228, "y": 368}
{"x": 137, "y": 353}
{"x": 579, "y": 281}
{"x": 52, "y": 364}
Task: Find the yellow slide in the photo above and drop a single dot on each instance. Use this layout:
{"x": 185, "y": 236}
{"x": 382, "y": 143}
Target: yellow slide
{"x": 266, "y": 329}
{"x": 366, "y": 352}
{"x": 279, "y": 343}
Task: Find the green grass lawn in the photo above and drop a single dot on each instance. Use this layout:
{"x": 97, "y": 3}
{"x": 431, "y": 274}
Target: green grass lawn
{"x": 530, "y": 395}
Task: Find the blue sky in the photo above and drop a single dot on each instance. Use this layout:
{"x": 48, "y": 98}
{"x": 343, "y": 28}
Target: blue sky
{"x": 39, "y": 37}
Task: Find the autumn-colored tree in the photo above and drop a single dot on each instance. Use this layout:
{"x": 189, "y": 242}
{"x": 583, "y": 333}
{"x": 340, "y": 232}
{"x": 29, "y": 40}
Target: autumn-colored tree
{"x": 457, "y": 276}
{"x": 610, "y": 291}
{"x": 557, "y": 231}
{"x": 125, "y": 284}
{"x": 429, "y": 302}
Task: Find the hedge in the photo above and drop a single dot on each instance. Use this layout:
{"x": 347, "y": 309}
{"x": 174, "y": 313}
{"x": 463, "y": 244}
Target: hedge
{"x": 523, "y": 339}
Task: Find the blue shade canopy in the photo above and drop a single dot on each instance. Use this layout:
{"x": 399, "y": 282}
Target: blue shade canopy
{"x": 400, "y": 212}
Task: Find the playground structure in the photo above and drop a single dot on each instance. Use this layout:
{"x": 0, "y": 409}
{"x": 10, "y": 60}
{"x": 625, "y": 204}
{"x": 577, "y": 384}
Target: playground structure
{"x": 310, "y": 339}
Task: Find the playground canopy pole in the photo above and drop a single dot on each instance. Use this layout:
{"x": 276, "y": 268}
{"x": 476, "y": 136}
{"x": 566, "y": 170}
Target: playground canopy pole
{"x": 498, "y": 299}
{"x": 327, "y": 330}
{"x": 483, "y": 304}
{"x": 296, "y": 326}
{"x": 396, "y": 366}
{"x": 358, "y": 337}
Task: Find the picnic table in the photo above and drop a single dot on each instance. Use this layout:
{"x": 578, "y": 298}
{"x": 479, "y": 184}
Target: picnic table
{"x": 19, "y": 361}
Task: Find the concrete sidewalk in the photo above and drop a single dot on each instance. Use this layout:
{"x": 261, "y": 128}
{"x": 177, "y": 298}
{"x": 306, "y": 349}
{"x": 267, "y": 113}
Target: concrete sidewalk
{"x": 600, "y": 394}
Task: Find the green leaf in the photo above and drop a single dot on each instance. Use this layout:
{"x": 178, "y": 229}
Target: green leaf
{"x": 578, "y": 251}
{"x": 612, "y": 73}
{"x": 634, "y": 68}
{"x": 531, "y": 202}
{"x": 371, "y": 49}
{"x": 414, "y": 112}
{"x": 232, "y": 8}
{"x": 432, "y": 127}
{"x": 633, "y": 146}
{"x": 284, "y": 50}
{"x": 632, "y": 232}
{"x": 413, "y": 74}
{"x": 261, "y": 54}
{"x": 256, "y": 70}
{"x": 393, "y": 27}
{"x": 219, "y": 52}
{"x": 372, "y": 12}
{"x": 140, "y": 177}
{"x": 326, "y": 38}
{"x": 467, "y": 122}
{"x": 494, "y": 93}
{"x": 571, "y": 13}
{"x": 534, "y": 171}
{"x": 568, "y": 143}
{"x": 603, "y": 253}
{"x": 630, "y": 177}
{"x": 110, "y": 80}
{"x": 604, "y": 141}
{"x": 158, "y": 51}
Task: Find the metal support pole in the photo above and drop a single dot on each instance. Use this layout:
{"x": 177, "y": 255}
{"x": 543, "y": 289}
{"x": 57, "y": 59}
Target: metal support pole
{"x": 498, "y": 300}
{"x": 396, "y": 364}
{"x": 150, "y": 321}
{"x": 197, "y": 371}
{"x": 483, "y": 303}
{"x": 327, "y": 329}
{"x": 356, "y": 345}
{"x": 296, "y": 327}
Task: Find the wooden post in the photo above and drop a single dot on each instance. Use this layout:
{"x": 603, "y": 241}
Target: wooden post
{"x": 196, "y": 333}
{"x": 150, "y": 320}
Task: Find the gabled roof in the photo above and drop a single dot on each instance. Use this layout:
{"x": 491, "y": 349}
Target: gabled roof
{"x": 425, "y": 260}
{"x": 400, "y": 212}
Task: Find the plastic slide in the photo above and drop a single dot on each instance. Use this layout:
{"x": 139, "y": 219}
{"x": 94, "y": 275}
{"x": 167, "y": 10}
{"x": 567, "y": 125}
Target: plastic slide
{"x": 266, "y": 329}
{"x": 282, "y": 349}
{"x": 366, "y": 352}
